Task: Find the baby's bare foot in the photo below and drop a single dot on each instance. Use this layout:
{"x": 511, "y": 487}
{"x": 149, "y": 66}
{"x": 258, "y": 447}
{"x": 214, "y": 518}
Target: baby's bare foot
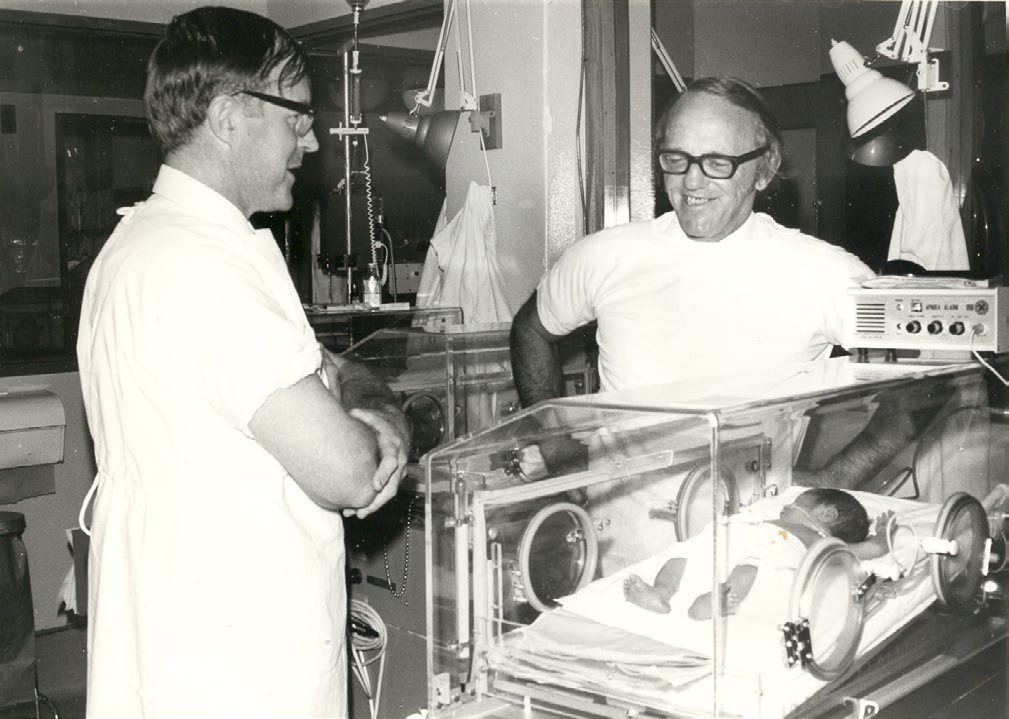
{"x": 639, "y": 592}
{"x": 701, "y": 608}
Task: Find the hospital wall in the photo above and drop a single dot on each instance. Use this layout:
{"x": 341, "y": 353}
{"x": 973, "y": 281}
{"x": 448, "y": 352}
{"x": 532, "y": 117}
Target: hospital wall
{"x": 535, "y": 173}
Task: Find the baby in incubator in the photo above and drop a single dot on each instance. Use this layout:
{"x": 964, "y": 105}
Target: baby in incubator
{"x": 816, "y": 513}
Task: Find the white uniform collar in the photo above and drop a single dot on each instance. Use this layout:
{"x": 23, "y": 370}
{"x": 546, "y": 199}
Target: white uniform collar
{"x": 199, "y": 198}
{"x": 669, "y": 224}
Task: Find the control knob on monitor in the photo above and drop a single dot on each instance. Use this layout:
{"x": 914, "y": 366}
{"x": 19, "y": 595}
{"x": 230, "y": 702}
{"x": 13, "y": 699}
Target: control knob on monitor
{"x": 914, "y": 327}
{"x": 956, "y": 328}
{"x": 935, "y": 327}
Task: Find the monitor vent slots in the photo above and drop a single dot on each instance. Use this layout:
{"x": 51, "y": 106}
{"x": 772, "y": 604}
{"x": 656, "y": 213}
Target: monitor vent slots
{"x": 870, "y": 318}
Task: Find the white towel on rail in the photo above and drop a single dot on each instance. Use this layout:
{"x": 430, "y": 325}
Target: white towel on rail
{"x": 927, "y": 228}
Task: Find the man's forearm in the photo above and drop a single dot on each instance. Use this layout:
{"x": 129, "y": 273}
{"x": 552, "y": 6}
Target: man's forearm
{"x": 899, "y": 420}
{"x": 536, "y": 365}
{"x": 862, "y": 460}
{"x": 361, "y": 389}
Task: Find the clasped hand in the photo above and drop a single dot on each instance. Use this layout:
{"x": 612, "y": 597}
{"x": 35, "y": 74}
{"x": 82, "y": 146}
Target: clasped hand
{"x": 392, "y": 450}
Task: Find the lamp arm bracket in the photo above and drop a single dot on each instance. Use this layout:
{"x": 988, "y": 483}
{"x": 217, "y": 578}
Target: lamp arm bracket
{"x": 467, "y": 102}
{"x": 485, "y": 118}
{"x": 422, "y": 99}
{"x": 928, "y": 76}
{"x": 480, "y": 121}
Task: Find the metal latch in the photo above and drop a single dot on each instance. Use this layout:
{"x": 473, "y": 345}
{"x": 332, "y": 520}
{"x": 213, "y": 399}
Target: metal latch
{"x": 798, "y": 644}
{"x": 864, "y": 708}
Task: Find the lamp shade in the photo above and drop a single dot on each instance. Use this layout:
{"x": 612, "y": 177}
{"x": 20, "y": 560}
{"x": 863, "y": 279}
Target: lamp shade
{"x": 872, "y": 98}
{"x": 880, "y": 149}
{"x": 431, "y": 133}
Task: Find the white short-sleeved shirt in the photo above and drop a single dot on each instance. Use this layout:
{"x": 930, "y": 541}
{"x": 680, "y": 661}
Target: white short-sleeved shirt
{"x": 216, "y": 585}
{"x": 671, "y": 308}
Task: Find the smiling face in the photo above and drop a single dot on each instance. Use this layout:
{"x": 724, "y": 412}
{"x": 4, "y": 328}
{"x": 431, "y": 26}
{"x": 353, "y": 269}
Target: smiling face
{"x": 270, "y": 149}
{"x": 710, "y": 210}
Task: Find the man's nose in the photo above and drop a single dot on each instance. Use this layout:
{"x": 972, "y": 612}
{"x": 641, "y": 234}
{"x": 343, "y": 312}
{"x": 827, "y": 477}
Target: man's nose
{"x": 308, "y": 141}
{"x": 694, "y": 176}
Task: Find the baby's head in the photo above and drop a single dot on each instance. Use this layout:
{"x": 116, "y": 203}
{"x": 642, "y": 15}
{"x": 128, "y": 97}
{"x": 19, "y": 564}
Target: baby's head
{"x": 838, "y": 512}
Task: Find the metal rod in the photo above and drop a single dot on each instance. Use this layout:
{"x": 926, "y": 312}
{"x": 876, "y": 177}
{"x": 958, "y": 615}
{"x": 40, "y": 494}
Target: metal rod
{"x": 346, "y": 173}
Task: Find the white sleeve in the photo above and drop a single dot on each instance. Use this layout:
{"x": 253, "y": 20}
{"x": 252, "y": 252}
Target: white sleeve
{"x": 565, "y": 294}
{"x": 233, "y": 340}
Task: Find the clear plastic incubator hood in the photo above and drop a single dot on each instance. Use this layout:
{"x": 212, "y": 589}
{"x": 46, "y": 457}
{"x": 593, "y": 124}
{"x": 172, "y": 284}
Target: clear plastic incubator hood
{"x": 547, "y": 535}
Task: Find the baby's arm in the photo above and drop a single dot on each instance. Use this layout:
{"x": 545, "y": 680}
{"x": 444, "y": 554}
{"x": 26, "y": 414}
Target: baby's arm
{"x": 877, "y": 545}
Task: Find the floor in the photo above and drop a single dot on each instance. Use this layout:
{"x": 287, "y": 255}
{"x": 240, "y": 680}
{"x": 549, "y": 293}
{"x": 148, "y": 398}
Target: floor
{"x": 975, "y": 690}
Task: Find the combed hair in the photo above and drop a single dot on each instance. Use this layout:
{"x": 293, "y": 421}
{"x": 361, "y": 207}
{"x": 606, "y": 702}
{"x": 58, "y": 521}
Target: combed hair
{"x": 742, "y": 95}
{"x": 852, "y": 524}
{"x": 213, "y": 51}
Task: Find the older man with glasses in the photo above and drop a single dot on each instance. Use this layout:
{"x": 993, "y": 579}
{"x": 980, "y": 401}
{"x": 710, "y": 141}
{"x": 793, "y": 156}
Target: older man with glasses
{"x": 228, "y": 443}
{"x": 709, "y": 288}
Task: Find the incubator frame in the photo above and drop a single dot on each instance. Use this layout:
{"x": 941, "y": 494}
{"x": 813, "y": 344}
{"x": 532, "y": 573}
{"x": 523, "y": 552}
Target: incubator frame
{"x": 472, "y": 611}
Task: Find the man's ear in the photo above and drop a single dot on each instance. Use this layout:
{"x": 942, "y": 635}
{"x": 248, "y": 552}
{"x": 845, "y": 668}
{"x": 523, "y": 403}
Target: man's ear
{"x": 224, "y": 117}
{"x": 769, "y": 168}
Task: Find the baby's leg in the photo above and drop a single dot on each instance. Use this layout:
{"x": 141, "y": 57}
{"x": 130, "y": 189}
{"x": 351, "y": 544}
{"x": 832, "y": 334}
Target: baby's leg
{"x": 734, "y": 591}
{"x": 656, "y": 598}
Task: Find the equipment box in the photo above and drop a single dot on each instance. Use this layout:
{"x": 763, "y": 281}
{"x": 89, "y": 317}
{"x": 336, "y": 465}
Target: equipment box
{"x": 32, "y": 424}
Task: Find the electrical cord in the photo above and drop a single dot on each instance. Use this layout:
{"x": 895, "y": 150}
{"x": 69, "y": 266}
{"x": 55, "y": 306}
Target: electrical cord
{"x": 936, "y": 427}
{"x": 391, "y": 257}
{"x": 889, "y": 544}
{"x": 578, "y": 137}
{"x": 369, "y": 197}
{"x": 973, "y": 334}
{"x": 368, "y": 640}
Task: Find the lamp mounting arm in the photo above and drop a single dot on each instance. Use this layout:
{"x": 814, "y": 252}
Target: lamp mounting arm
{"x": 425, "y": 97}
{"x": 909, "y": 42}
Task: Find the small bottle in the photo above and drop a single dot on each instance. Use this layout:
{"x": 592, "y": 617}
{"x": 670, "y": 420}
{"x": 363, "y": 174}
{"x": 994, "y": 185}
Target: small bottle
{"x": 372, "y": 286}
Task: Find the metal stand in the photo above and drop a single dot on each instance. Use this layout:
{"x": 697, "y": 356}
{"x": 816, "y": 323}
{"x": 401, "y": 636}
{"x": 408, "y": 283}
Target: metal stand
{"x": 348, "y": 130}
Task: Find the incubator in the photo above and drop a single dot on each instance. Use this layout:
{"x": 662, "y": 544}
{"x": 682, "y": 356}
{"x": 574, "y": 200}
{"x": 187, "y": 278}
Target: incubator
{"x": 538, "y": 530}
{"x": 451, "y": 380}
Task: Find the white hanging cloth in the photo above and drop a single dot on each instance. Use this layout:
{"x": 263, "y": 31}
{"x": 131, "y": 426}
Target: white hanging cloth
{"x": 927, "y": 228}
{"x": 461, "y": 268}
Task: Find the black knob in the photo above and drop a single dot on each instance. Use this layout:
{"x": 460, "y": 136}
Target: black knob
{"x": 935, "y": 327}
{"x": 956, "y": 328}
{"x": 914, "y": 327}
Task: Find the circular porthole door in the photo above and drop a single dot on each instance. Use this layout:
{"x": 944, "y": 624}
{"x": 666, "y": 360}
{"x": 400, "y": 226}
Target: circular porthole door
{"x": 558, "y": 554}
{"x": 426, "y": 416}
{"x": 693, "y": 500}
{"x": 958, "y": 577}
{"x": 825, "y": 598}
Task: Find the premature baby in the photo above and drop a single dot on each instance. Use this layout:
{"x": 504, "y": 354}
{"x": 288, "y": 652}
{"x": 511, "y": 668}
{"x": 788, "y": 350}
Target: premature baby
{"x": 816, "y": 513}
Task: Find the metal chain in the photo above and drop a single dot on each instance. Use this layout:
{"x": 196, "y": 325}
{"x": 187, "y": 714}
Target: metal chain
{"x": 406, "y": 553}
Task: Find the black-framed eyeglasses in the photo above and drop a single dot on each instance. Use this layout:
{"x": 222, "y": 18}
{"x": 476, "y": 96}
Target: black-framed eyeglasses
{"x": 306, "y": 113}
{"x": 712, "y": 164}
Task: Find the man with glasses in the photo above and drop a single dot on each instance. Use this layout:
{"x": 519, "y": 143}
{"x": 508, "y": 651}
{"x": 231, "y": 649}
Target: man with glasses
{"x": 709, "y": 288}
{"x": 228, "y": 443}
